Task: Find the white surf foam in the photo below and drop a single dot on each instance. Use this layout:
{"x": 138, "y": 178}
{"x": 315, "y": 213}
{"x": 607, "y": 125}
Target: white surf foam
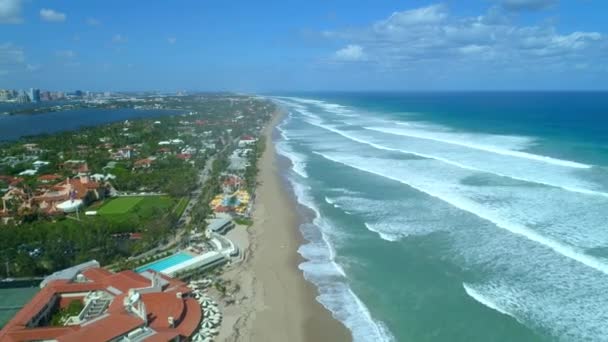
{"x": 331, "y": 202}
{"x": 473, "y": 293}
{"x": 528, "y": 173}
{"x": 381, "y": 232}
{"x": 321, "y": 269}
{"x": 465, "y": 141}
{"x": 467, "y": 205}
{"x": 298, "y": 160}
{"x": 282, "y": 132}
{"x": 328, "y": 107}
{"x": 379, "y": 215}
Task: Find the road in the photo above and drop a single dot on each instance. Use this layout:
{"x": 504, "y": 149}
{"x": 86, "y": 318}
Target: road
{"x": 203, "y": 176}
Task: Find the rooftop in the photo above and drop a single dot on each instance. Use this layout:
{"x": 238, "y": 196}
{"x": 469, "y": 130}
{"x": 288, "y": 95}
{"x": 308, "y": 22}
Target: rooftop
{"x": 147, "y": 305}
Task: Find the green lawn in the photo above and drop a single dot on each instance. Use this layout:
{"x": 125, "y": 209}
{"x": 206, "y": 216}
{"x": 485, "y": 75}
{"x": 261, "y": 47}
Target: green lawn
{"x": 121, "y": 205}
{"x": 152, "y": 203}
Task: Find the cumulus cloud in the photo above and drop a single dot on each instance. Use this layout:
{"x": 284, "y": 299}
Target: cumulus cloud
{"x": 350, "y": 53}
{"x": 431, "y": 36}
{"x": 119, "y": 38}
{"x": 528, "y": 5}
{"x": 171, "y": 40}
{"x": 10, "y": 12}
{"x": 52, "y": 15}
{"x": 433, "y": 14}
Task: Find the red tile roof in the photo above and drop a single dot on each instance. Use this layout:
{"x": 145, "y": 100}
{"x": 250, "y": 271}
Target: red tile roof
{"x": 46, "y": 178}
{"x": 143, "y": 162}
{"x": 116, "y": 321}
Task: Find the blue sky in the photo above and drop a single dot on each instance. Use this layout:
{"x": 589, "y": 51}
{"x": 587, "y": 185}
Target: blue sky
{"x": 261, "y": 46}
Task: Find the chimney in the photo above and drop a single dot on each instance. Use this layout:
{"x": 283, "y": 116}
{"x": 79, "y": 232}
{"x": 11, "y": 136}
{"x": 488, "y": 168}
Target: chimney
{"x": 171, "y": 321}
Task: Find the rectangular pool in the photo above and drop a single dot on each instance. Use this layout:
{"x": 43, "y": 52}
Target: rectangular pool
{"x": 165, "y": 263}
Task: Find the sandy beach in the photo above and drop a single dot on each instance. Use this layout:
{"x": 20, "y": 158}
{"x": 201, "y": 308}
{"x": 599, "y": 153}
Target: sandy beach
{"x": 275, "y": 303}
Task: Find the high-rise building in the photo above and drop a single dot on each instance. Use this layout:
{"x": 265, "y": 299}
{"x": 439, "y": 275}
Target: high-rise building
{"x": 23, "y": 97}
{"x": 34, "y": 95}
{"x": 6, "y": 94}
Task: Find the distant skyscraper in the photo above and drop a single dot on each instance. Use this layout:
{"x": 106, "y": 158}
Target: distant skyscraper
{"x": 23, "y": 97}
{"x": 5, "y": 94}
{"x": 34, "y": 95}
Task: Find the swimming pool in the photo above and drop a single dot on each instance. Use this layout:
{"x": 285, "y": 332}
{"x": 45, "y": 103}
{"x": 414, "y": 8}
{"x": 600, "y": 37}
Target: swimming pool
{"x": 165, "y": 263}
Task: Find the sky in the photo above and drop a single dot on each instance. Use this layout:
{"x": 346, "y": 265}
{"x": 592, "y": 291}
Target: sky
{"x": 309, "y": 45}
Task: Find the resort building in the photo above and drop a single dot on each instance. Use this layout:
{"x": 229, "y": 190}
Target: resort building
{"x": 124, "y": 306}
{"x": 66, "y": 196}
{"x": 246, "y": 141}
{"x": 220, "y": 225}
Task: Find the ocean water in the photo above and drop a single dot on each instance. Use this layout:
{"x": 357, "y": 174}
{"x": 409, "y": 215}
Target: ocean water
{"x": 454, "y": 216}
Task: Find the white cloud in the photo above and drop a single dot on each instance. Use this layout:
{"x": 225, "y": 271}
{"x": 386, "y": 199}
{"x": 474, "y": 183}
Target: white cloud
{"x": 420, "y": 16}
{"x": 171, "y": 40}
{"x": 10, "y": 11}
{"x": 52, "y": 15}
{"x": 350, "y": 53}
{"x": 65, "y": 54}
{"x": 93, "y": 22}
{"x": 528, "y": 5}
{"x": 431, "y": 37}
{"x": 119, "y": 38}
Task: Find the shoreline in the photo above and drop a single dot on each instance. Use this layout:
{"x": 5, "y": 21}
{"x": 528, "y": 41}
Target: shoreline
{"x": 277, "y": 303}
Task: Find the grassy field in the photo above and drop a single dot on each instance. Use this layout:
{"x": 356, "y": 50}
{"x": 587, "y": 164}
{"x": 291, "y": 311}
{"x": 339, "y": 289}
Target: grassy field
{"x": 124, "y": 209}
{"x": 121, "y": 205}
{"x": 152, "y": 203}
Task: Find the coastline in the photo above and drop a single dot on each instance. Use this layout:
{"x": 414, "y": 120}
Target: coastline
{"x": 277, "y": 303}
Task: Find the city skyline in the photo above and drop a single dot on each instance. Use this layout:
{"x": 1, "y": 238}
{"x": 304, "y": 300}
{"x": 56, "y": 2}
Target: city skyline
{"x": 381, "y": 45}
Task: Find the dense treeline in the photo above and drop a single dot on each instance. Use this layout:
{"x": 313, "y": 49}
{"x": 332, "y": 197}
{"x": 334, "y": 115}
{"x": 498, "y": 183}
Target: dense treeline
{"x": 41, "y": 247}
{"x": 170, "y": 175}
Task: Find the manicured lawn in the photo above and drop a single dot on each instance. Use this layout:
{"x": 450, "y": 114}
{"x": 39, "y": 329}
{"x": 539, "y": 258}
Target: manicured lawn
{"x": 149, "y": 204}
{"x": 121, "y": 205}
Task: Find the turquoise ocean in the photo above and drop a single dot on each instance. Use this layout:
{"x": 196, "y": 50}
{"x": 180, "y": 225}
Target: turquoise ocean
{"x": 474, "y": 216}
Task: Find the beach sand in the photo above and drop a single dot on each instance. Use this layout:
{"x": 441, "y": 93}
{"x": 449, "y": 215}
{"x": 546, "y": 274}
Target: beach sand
{"x": 275, "y": 303}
